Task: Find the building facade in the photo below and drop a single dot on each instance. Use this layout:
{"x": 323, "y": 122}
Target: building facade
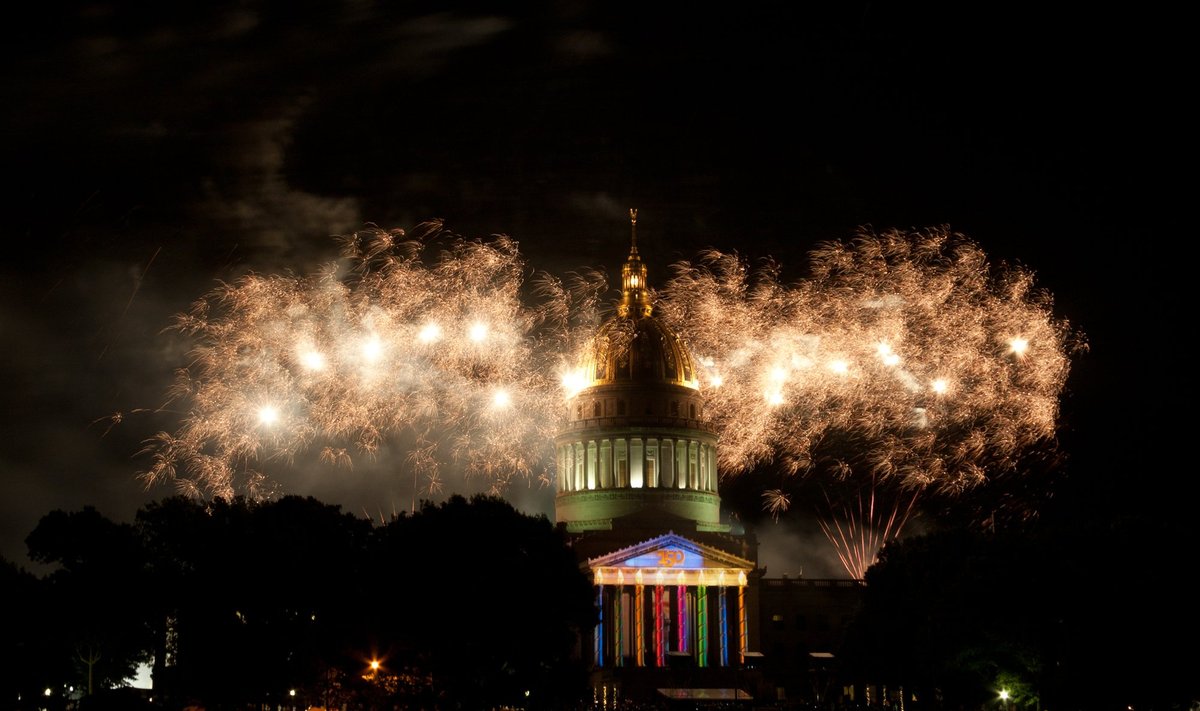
{"x": 679, "y": 592}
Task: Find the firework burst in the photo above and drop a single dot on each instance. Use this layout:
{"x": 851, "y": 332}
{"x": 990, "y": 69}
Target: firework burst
{"x": 425, "y": 336}
{"x": 905, "y": 355}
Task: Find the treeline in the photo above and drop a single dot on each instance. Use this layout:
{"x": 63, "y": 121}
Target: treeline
{"x": 1070, "y": 614}
{"x": 466, "y": 604}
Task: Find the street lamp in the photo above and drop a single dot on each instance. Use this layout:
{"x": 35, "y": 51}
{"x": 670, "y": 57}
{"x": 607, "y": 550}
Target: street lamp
{"x": 372, "y": 670}
{"x": 1004, "y": 698}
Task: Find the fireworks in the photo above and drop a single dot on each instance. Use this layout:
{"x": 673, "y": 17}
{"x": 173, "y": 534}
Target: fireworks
{"x": 907, "y": 357}
{"x": 861, "y": 522}
{"x": 425, "y": 337}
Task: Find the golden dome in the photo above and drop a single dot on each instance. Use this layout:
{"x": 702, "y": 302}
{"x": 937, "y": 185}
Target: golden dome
{"x": 638, "y": 349}
{"x": 634, "y": 346}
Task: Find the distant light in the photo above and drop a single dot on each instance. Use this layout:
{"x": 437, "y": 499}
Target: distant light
{"x": 143, "y": 677}
{"x": 501, "y": 399}
{"x": 716, "y": 381}
{"x": 774, "y": 398}
{"x": 1004, "y": 694}
{"x": 478, "y": 332}
{"x": 430, "y": 332}
{"x": 46, "y": 692}
{"x": 374, "y": 664}
{"x": 939, "y": 386}
{"x": 291, "y": 692}
{"x": 312, "y": 360}
{"x": 887, "y": 355}
{"x": 527, "y": 692}
{"x": 1019, "y": 346}
{"x": 778, "y": 374}
{"x": 268, "y": 415}
{"x": 372, "y": 349}
{"x": 840, "y": 367}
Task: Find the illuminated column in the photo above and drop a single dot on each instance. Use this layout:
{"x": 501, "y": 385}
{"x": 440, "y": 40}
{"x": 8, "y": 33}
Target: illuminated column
{"x": 580, "y": 471}
{"x": 693, "y": 465}
{"x": 724, "y": 626}
{"x": 637, "y": 461}
{"x": 619, "y": 622}
{"x": 742, "y": 637}
{"x": 681, "y": 618}
{"x": 605, "y": 465}
{"x": 660, "y": 647}
{"x": 681, "y": 468}
{"x": 639, "y": 617}
{"x": 593, "y": 479}
{"x": 600, "y": 622}
{"x": 666, "y": 458}
{"x": 702, "y": 621}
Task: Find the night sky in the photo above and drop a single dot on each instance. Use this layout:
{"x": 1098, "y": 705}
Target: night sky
{"x": 150, "y": 152}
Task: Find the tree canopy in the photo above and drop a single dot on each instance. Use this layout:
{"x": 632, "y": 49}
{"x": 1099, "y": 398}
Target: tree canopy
{"x": 459, "y": 604}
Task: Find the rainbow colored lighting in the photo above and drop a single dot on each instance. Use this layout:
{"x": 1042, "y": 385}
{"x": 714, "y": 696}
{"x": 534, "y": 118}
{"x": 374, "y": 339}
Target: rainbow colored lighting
{"x": 724, "y": 629}
{"x": 660, "y": 648}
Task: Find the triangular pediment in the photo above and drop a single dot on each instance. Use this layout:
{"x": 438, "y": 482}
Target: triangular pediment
{"x": 670, "y": 559}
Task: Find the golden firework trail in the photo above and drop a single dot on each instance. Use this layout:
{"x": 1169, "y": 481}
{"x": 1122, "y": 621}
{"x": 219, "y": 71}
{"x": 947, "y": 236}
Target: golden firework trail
{"x": 938, "y": 368}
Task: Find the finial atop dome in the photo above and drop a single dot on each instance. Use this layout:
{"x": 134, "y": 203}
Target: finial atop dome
{"x": 633, "y": 230}
{"x": 635, "y": 299}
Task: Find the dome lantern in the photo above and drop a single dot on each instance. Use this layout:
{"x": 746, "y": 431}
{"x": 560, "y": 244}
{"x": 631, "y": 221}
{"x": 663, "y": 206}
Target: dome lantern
{"x": 635, "y": 297}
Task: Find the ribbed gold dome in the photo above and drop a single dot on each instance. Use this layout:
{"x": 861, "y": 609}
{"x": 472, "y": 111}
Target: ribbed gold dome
{"x": 638, "y": 350}
{"x": 634, "y": 346}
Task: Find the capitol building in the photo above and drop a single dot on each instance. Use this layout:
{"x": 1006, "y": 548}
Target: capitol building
{"x": 680, "y": 594}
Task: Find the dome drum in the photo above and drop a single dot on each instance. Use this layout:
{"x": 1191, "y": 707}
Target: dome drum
{"x": 654, "y": 405}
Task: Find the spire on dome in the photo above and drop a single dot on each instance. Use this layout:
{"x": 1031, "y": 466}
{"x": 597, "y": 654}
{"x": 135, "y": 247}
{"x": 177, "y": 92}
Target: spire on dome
{"x": 635, "y": 298}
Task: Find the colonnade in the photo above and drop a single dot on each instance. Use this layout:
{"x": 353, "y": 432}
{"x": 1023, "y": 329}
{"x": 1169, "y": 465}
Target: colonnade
{"x": 637, "y": 462}
{"x": 647, "y": 615}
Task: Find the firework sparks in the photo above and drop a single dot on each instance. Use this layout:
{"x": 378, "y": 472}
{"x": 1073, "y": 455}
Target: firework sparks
{"x": 905, "y": 354}
{"x": 897, "y": 355}
{"x": 860, "y": 524}
{"x": 439, "y": 347}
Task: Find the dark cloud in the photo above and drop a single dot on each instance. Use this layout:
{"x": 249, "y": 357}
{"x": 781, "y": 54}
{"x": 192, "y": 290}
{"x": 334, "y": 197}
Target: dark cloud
{"x": 154, "y": 151}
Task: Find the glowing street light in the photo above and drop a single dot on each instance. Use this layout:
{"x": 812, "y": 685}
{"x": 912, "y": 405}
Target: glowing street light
{"x": 372, "y": 670}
